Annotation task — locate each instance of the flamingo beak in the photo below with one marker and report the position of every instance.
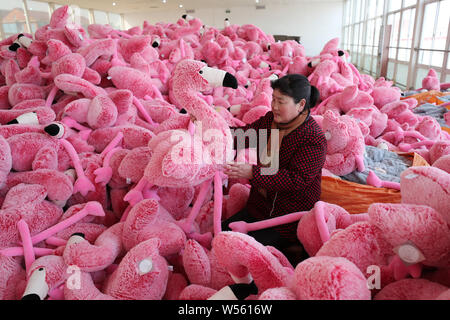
(37, 288)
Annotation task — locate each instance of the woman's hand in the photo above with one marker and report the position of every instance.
(237, 170)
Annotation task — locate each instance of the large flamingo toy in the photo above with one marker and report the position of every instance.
(189, 164)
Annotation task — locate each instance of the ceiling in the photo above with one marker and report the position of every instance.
(130, 6)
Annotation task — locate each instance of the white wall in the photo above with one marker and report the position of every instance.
(315, 21)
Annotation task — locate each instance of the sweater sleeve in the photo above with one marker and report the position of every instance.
(305, 165)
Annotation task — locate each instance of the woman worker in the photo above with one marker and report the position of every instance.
(296, 184)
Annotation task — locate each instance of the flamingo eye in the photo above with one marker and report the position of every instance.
(201, 72)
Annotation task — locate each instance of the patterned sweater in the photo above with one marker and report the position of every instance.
(296, 186)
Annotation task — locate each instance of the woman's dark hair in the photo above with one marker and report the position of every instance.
(297, 87)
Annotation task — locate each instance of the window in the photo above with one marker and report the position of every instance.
(12, 18)
(115, 20)
(432, 50)
(38, 14)
(81, 16)
(413, 49)
(361, 35)
(100, 17)
(394, 5)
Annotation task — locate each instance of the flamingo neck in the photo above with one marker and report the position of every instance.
(190, 100)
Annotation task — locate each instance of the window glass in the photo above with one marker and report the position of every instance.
(12, 18)
(407, 3)
(390, 70)
(394, 5)
(380, 7)
(402, 74)
(100, 17)
(38, 14)
(442, 25)
(115, 20)
(81, 16)
(371, 6)
(426, 41)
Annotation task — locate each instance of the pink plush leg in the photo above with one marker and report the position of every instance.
(373, 180)
(244, 227)
(186, 225)
(28, 251)
(191, 128)
(51, 96)
(218, 200)
(104, 174)
(156, 92)
(320, 221)
(135, 195)
(141, 108)
(408, 147)
(360, 163)
(55, 241)
(285, 69)
(358, 75)
(114, 142)
(414, 134)
(71, 123)
(93, 208)
(83, 184)
(18, 251)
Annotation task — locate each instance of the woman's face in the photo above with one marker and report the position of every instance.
(284, 108)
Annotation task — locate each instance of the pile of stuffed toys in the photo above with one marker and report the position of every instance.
(93, 206)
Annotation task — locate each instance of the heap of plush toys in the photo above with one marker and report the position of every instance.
(94, 206)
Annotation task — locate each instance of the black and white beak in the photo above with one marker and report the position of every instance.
(55, 130)
(26, 118)
(218, 78)
(24, 41)
(14, 46)
(156, 42)
(145, 266)
(341, 53)
(37, 288)
(313, 63)
(273, 77)
(263, 65)
(226, 22)
(187, 17)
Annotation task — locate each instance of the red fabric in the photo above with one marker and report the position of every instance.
(297, 184)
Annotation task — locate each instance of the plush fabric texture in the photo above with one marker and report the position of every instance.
(411, 289)
(246, 255)
(327, 278)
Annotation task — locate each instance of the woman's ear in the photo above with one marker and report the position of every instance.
(301, 105)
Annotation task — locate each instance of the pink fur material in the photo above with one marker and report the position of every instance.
(328, 278)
